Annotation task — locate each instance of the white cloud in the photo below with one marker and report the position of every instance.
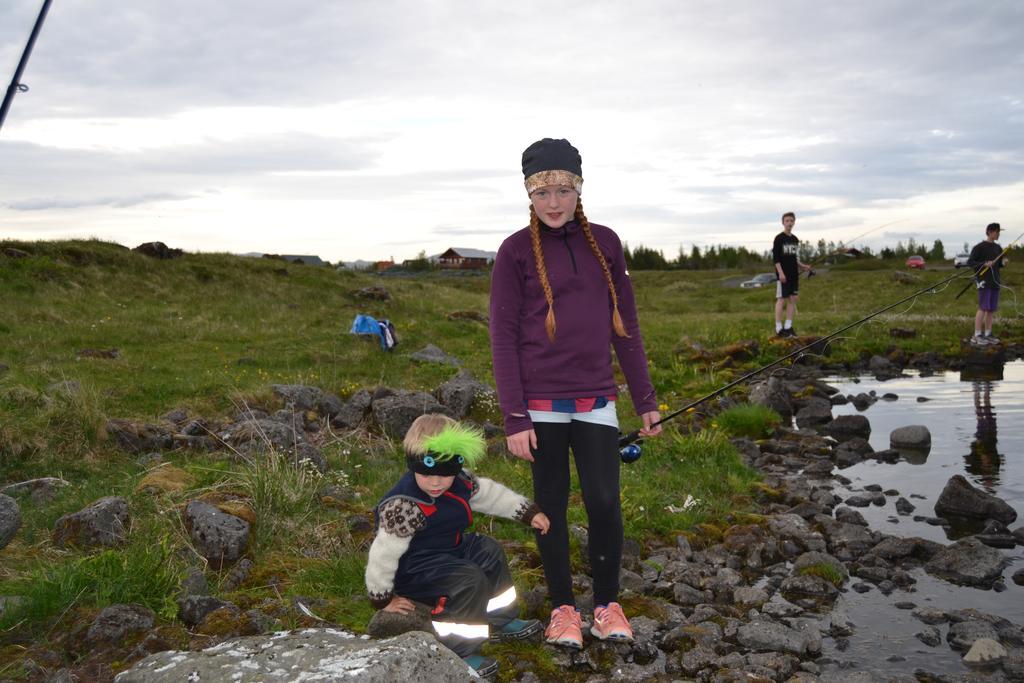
(370, 129)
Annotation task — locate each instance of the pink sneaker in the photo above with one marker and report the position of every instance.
(611, 624)
(565, 628)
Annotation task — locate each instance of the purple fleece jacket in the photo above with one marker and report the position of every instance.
(578, 363)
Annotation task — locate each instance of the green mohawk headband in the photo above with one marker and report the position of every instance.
(448, 450)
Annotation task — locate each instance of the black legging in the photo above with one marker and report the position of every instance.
(595, 450)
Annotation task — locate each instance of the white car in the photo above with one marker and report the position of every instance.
(960, 261)
(759, 280)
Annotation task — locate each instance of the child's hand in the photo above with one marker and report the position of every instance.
(400, 605)
(541, 522)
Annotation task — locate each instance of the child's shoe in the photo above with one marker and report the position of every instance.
(611, 624)
(517, 629)
(483, 666)
(565, 628)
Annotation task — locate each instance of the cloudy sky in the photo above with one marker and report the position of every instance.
(372, 129)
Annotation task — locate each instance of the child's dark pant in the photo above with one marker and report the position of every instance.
(595, 450)
(470, 587)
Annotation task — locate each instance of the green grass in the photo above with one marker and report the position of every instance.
(825, 571)
(144, 573)
(754, 421)
(212, 332)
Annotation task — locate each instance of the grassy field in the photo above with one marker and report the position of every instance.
(210, 333)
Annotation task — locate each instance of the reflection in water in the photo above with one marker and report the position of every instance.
(984, 460)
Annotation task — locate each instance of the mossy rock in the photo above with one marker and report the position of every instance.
(166, 479)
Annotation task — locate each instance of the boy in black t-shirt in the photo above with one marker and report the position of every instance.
(985, 256)
(787, 272)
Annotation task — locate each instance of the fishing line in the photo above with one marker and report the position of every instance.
(630, 451)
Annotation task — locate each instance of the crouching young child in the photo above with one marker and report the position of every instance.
(421, 551)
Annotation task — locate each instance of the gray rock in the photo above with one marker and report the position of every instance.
(846, 541)
(139, 437)
(389, 624)
(194, 583)
(298, 396)
(860, 500)
(432, 354)
(817, 411)
(894, 548)
(750, 595)
(1018, 577)
(963, 635)
(904, 506)
(795, 528)
(850, 516)
(312, 654)
(459, 393)
(116, 622)
(10, 519)
(685, 595)
(219, 537)
(238, 575)
(961, 499)
(930, 636)
(967, 562)
(262, 434)
(930, 615)
(985, 651)
(779, 607)
(192, 609)
(767, 636)
(808, 586)
(42, 490)
(772, 393)
(395, 414)
(911, 436)
(330, 405)
(307, 452)
(353, 410)
(104, 523)
(813, 558)
(846, 427)
(697, 659)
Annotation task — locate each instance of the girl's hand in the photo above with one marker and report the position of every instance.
(400, 605)
(519, 444)
(649, 419)
(541, 523)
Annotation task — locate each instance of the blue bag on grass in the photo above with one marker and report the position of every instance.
(382, 329)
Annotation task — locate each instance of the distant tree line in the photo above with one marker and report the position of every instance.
(725, 256)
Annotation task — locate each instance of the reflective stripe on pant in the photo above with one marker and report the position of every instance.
(475, 583)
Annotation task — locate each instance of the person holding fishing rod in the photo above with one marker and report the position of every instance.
(561, 298)
(987, 260)
(787, 272)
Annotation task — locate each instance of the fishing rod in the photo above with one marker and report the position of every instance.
(842, 245)
(629, 451)
(982, 271)
(16, 86)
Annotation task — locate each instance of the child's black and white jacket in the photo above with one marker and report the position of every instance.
(410, 522)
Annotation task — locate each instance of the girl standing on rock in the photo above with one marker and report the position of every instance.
(560, 299)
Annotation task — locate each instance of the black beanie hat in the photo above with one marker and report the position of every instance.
(552, 162)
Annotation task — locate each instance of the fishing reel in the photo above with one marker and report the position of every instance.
(631, 452)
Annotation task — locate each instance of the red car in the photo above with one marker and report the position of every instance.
(915, 262)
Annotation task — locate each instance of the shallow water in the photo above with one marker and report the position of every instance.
(977, 431)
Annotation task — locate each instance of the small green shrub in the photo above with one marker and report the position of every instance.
(748, 419)
(825, 571)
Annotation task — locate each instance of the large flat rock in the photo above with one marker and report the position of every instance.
(325, 655)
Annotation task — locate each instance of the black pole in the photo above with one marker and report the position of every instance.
(634, 435)
(16, 85)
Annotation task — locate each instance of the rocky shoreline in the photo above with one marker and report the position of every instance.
(755, 602)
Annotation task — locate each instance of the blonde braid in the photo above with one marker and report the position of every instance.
(581, 218)
(542, 271)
